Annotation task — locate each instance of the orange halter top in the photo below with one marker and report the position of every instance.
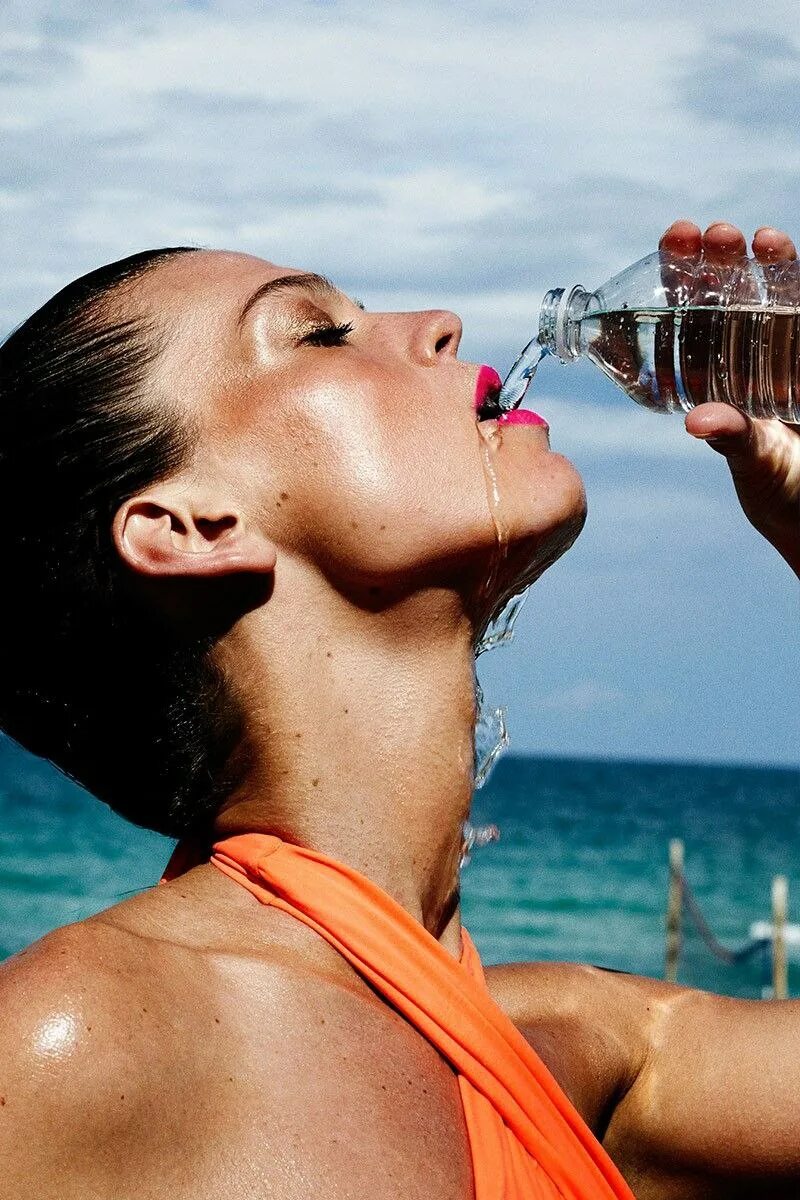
(526, 1140)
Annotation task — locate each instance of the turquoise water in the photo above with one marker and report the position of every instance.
(580, 872)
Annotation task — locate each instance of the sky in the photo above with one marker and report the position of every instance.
(467, 157)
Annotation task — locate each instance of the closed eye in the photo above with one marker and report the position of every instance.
(328, 335)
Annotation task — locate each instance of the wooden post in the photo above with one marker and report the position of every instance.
(674, 905)
(780, 980)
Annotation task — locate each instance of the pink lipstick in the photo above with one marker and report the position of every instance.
(487, 388)
(522, 416)
(487, 383)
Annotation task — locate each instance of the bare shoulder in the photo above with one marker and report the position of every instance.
(113, 1044)
(124, 1061)
(591, 1027)
(689, 1091)
(149, 1053)
(57, 998)
(62, 1060)
(533, 991)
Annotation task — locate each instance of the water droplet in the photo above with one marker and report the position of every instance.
(476, 835)
(501, 630)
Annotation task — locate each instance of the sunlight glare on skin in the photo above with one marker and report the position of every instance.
(57, 1036)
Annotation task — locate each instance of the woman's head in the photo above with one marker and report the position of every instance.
(185, 430)
(84, 681)
(347, 438)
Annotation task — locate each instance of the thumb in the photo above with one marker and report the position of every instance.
(763, 457)
(728, 431)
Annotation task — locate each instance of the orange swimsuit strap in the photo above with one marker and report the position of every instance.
(526, 1140)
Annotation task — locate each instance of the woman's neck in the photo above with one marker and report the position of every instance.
(358, 742)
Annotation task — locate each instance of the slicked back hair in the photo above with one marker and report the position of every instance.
(88, 679)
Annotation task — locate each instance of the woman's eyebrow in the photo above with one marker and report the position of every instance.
(308, 281)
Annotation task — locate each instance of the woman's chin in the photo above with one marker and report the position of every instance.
(542, 507)
(529, 558)
(516, 566)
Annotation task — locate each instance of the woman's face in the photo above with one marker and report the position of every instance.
(350, 436)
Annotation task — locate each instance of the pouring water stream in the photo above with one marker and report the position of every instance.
(518, 379)
(491, 732)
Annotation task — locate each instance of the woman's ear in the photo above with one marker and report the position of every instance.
(194, 558)
(163, 535)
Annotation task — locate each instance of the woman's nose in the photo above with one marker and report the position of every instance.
(436, 335)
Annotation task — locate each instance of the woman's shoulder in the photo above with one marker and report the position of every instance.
(134, 1027)
(590, 1026)
(120, 995)
(72, 1069)
(144, 1037)
(66, 998)
(105, 989)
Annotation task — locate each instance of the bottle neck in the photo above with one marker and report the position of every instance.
(560, 322)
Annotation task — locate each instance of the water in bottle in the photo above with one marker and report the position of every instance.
(675, 332)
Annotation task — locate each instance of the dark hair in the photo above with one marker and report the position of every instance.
(88, 679)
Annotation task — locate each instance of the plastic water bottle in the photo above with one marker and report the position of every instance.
(674, 332)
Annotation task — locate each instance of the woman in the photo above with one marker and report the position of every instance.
(247, 541)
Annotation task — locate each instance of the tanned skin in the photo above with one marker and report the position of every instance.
(190, 1042)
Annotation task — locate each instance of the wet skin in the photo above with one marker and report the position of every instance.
(189, 1042)
(370, 433)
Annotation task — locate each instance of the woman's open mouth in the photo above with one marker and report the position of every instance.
(487, 390)
(487, 408)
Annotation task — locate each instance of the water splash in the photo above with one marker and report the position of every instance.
(518, 379)
(500, 631)
(476, 835)
(491, 736)
(491, 731)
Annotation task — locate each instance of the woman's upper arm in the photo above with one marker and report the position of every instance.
(588, 1026)
(686, 1089)
(716, 1099)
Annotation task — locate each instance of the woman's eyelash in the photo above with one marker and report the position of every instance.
(328, 335)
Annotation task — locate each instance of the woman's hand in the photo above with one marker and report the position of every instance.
(763, 455)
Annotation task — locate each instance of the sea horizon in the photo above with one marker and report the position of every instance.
(579, 872)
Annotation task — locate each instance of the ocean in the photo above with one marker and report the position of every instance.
(579, 873)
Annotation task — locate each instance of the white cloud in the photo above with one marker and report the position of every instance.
(393, 146)
(424, 196)
(423, 156)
